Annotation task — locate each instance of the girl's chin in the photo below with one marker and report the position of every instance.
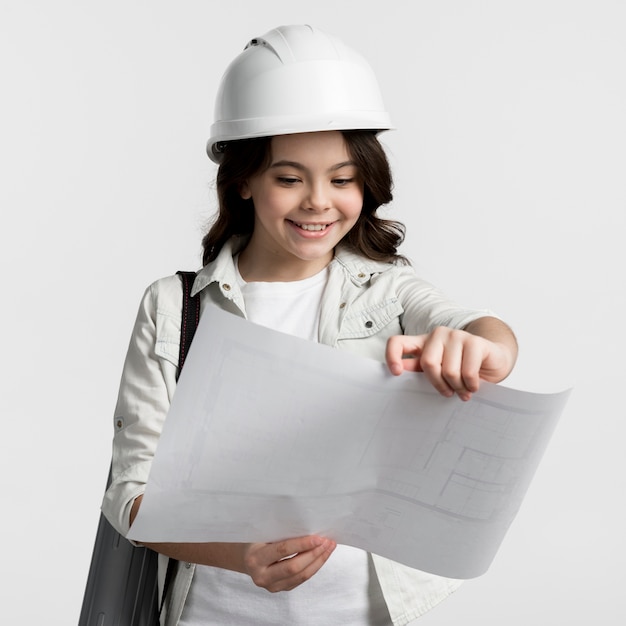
(321, 255)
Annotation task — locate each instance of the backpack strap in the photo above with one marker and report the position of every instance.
(190, 316)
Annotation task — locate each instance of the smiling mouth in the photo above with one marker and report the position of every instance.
(314, 227)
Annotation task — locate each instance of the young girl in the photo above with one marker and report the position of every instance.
(297, 246)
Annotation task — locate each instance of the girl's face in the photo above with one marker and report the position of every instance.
(305, 202)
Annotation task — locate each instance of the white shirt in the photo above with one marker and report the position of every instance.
(290, 307)
(344, 591)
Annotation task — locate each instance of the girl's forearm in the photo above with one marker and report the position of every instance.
(225, 555)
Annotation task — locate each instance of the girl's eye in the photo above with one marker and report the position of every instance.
(287, 180)
(342, 182)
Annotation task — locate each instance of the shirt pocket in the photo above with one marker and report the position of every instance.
(167, 344)
(366, 322)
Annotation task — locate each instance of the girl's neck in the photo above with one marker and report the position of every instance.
(269, 268)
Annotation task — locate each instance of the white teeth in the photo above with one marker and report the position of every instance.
(312, 226)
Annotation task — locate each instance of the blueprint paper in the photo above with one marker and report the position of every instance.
(270, 436)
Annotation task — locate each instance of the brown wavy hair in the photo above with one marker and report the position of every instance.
(371, 236)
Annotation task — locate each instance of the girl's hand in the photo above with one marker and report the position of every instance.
(454, 361)
(287, 564)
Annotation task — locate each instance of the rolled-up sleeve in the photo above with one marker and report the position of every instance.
(426, 307)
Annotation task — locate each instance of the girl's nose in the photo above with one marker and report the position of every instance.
(317, 198)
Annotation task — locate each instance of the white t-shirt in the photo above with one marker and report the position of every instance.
(345, 590)
(292, 307)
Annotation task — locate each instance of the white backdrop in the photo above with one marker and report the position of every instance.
(510, 162)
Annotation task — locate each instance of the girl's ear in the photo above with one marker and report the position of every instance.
(244, 191)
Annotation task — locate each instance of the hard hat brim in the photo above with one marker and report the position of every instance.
(225, 131)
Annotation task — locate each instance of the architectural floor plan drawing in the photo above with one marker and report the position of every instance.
(270, 436)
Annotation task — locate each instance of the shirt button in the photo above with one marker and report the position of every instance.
(361, 275)
(187, 565)
(226, 287)
(342, 305)
(119, 423)
(369, 324)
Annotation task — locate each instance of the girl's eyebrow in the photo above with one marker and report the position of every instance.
(285, 163)
(299, 166)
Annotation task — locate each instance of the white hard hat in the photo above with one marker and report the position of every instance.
(295, 79)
